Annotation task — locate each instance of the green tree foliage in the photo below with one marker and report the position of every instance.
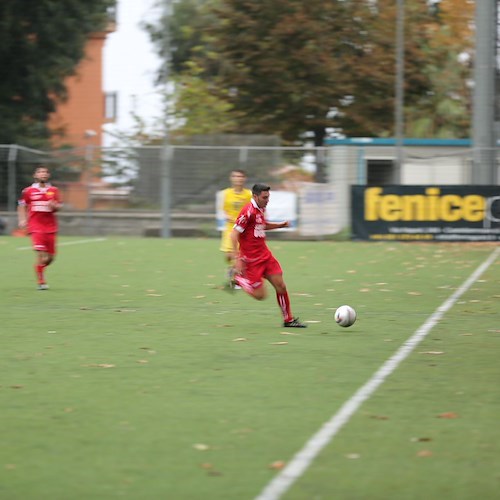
(286, 61)
(41, 43)
(291, 67)
(445, 111)
(196, 104)
(198, 110)
(188, 33)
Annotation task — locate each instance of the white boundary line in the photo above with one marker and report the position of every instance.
(67, 243)
(303, 459)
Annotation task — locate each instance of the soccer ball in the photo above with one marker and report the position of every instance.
(345, 316)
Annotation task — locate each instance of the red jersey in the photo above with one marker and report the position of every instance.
(41, 218)
(251, 224)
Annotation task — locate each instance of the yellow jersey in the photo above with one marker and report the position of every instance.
(233, 202)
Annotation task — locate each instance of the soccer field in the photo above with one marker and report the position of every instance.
(136, 376)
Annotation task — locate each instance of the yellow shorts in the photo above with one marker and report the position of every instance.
(225, 242)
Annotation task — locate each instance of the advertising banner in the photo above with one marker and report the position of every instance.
(426, 213)
(318, 209)
(282, 206)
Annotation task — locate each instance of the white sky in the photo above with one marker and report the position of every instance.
(130, 64)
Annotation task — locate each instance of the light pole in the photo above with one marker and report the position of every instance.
(166, 152)
(484, 168)
(89, 160)
(399, 89)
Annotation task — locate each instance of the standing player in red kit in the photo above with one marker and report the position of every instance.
(36, 212)
(254, 261)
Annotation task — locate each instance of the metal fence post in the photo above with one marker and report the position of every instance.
(11, 178)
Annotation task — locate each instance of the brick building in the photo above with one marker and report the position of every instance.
(82, 116)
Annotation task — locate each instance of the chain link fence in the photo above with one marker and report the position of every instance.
(145, 180)
(97, 179)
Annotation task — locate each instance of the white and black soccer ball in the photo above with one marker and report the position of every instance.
(345, 316)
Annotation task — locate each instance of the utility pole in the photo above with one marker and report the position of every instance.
(399, 89)
(484, 167)
(166, 152)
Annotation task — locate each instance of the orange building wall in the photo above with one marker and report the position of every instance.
(83, 111)
(84, 108)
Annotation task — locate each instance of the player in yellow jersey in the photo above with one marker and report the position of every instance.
(234, 198)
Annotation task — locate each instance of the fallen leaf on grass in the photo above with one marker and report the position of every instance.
(432, 352)
(353, 456)
(201, 446)
(277, 465)
(379, 417)
(240, 339)
(420, 440)
(414, 293)
(199, 297)
(142, 361)
(279, 343)
(210, 469)
(448, 414)
(214, 473)
(424, 453)
(100, 365)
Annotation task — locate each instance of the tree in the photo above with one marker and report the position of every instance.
(370, 109)
(285, 61)
(291, 67)
(189, 39)
(41, 43)
(198, 110)
(445, 111)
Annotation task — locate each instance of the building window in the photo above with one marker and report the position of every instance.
(111, 106)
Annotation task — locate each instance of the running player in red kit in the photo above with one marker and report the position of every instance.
(254, 261)
(36, 212)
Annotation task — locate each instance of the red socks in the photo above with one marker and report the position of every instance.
(284, 303)
(39, 268)
(244, 283)
(282, 298)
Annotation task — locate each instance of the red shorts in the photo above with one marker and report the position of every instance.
(44, 242)
(255, 272)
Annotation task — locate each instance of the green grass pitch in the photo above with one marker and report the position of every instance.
(135, 376)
